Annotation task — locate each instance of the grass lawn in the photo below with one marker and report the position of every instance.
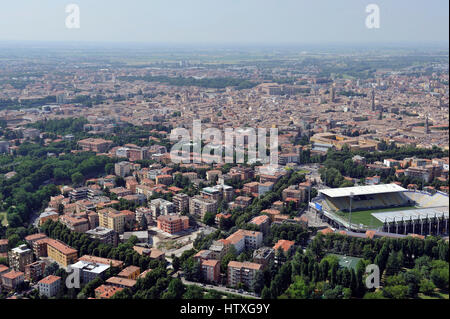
(365, 216)
(3, 219)
(435, 295)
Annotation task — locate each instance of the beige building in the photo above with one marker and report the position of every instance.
(112, 219)
(242, 272)
(199, 206)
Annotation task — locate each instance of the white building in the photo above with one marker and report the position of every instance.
(89, 271)
(49, 286)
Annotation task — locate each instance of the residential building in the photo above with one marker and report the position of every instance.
(263, 223)
(112, 219)
(19, 257)
(122, 168)
(161, 206)
(98, 145)
(242, 272)
(99, 260)
(181, 202)
(49, 286)
(199, 206)
(210, 270)
(104, 235)
(263, 256)
(61, 253)
(121, 282)
(89, 271)
(75, 223)
(106, 291)
(12, 279)
(79, 193)
(35, 271)
(172, 223)
(130, 272)
(245, 239)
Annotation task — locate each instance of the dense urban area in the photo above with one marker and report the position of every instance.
(88, 186)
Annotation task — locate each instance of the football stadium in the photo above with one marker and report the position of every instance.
(386, 208)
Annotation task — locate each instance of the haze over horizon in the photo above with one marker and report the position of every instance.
(230, 22)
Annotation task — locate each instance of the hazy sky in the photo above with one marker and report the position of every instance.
(226, 21)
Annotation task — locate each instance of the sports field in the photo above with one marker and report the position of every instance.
(347, 261)
(365, 216)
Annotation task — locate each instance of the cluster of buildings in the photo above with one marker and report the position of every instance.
(241, 272)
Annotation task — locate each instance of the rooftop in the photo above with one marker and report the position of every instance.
(362, 190)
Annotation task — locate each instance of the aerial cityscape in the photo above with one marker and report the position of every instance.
(96, 202)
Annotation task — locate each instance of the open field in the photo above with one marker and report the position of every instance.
(365, 216)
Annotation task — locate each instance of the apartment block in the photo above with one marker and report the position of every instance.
(245, 239)
(210, 270)
(35, 271)
(122, 168)
(172, 223)
(89, 271)
(199, 206)
(61, 253)
(98, 145)
(181, 202)
(19, 257)
(161, 206)
(242, 272)
(104, 235)
(112, 219)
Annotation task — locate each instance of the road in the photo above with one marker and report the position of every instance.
(219, 288)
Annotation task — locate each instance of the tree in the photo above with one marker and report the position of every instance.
(258, 282)
(300, 289)
(123, 294)
(193, 292)
(175, 290)
(51, 269)
(396, 292)
(143, 224)
(77, 178)
(119, 181)
(440, 277)
(265, 293)
(230, 255)
(176, 263)
(209, 219)
(109, 168)
(426, 287)
(412, 279)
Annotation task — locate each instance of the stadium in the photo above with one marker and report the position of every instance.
(386, 208)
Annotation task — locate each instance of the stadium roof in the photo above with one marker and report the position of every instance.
(412, 214)
(362, 190)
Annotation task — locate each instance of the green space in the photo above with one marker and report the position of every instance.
(365, 216)
(434, 295)
(347, 261)
(3, 220)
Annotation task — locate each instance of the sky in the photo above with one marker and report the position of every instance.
(226, 21)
